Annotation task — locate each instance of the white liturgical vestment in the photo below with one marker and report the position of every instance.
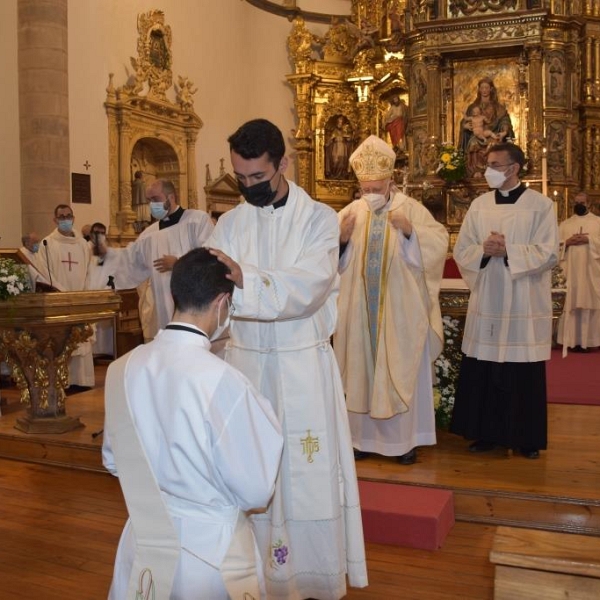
(311, 537)
(68, 258)
(134, 264)
(386, 344)
(213, 445)
(509, 318)
(579, 324)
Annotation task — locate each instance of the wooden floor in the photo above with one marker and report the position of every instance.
(60, 525)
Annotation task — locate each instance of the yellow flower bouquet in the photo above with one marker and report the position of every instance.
(452, 165)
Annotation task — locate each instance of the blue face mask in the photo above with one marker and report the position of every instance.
(35, 248)
(65, 226)
(158, 210)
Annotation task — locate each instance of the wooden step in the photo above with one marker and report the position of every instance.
(543, 564)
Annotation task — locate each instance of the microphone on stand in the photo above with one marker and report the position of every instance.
(45, 242)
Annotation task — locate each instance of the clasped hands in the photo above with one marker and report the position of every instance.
(495, 245)
(577, 239)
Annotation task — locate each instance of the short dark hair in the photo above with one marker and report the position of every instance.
(98, 225)
(256, 137)
(514, 152)
(59, 206)
(197, 279)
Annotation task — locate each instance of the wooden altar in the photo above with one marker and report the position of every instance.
(38, 334)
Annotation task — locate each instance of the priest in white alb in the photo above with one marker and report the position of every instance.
(67, 256)
(389, 325)
(175, 231)
(282, 249)
(505, 250)
(195, 446)
(579, 325)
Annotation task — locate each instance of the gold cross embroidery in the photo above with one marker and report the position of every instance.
(310, 445)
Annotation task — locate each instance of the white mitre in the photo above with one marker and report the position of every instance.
(373, 160)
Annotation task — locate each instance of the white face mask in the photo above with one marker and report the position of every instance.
(495, 179)
(375, 201)
(158, 210)
(221, 327)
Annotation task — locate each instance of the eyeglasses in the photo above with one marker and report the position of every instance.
(496, 166)
(64, 217)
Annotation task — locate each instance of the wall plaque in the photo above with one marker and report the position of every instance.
(81, 189)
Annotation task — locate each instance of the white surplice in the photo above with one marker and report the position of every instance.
(579, 325)
(134, 264)
(68, 258)
(98, 278)
(390, 397)
(213, 444)
(286, 312)
(509, 318)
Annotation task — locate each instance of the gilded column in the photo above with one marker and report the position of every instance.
(125, 216)
(536, 139)
(43, 110)
(192, 193)
(434, 96)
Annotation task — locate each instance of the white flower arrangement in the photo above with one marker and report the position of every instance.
(14, 279)
(447, 366)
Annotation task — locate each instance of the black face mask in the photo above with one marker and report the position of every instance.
(580, 209)
(259, 194)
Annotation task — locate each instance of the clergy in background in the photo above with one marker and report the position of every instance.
(505, 250)
(194, 446)
(100, 279)
(67, 255)
(579, 325)
(282, 249)
(38, 270)
(389, 326)
(152, 256)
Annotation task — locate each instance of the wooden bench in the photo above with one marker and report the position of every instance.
(534, 564)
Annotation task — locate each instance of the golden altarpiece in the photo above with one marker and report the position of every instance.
(148, 132)
(427, 57)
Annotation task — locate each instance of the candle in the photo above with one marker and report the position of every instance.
(544, 173)
(555, 203)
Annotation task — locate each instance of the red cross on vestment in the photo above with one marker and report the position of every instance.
(70, 262)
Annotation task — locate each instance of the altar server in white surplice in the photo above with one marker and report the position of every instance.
(282, 248)
(390, 327)
(153, 254)
(67, 256)
(100, 279)
(579, 325)
(505, 250)
(194, 446)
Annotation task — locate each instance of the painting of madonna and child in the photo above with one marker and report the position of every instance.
(486, 110)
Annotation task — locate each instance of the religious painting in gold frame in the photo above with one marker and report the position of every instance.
(505, 74)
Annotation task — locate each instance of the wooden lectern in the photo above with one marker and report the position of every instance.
(38, 334)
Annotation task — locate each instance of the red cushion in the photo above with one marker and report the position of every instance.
(402, 515)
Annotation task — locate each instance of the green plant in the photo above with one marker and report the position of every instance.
(447, 366)
(452, 165)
